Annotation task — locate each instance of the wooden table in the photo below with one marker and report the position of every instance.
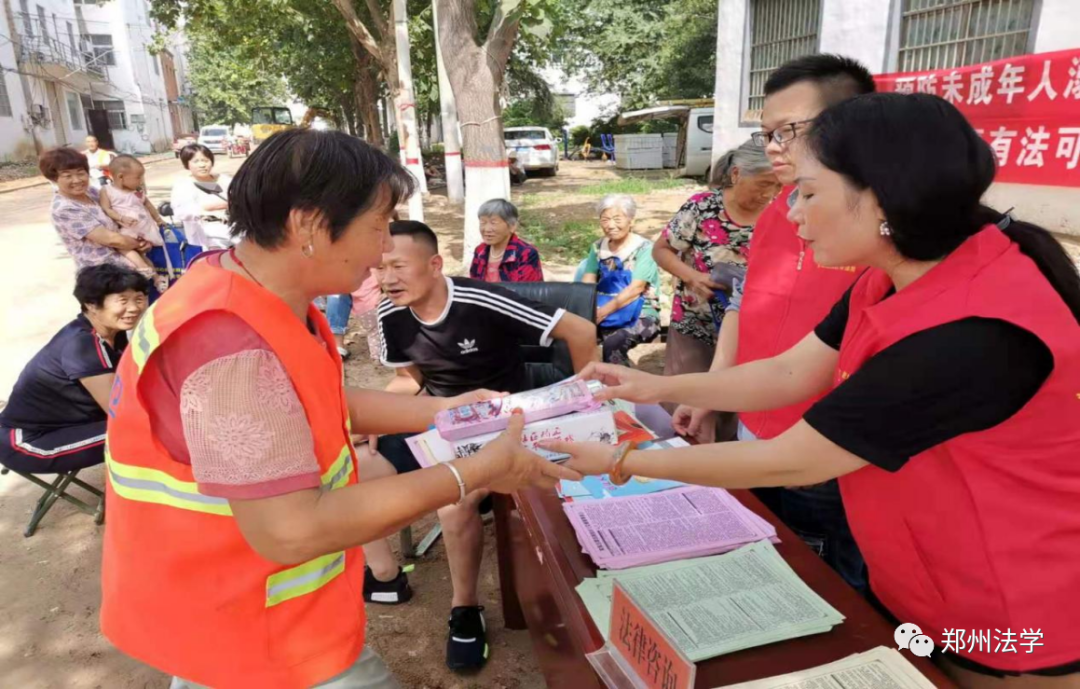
(541, 562)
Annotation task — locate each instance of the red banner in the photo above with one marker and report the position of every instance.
(1026, 107)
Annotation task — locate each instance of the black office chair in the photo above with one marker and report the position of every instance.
(547, 365)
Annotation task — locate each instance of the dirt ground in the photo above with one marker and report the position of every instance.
(49, 584)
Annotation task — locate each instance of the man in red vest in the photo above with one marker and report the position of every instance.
(786, 294)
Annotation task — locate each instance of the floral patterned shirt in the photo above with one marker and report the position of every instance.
(520, 263)
(220, 400)
(74, 220)
(704, 236)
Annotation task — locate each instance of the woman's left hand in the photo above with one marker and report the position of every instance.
(591, 459)
(471, 398)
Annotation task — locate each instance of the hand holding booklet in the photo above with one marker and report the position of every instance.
(564, 411)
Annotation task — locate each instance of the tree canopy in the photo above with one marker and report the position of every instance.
(642, 50)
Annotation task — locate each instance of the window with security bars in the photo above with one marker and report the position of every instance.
(940, 34)
(101, 50)
(115, 111)
(5, 100)
(780, 30)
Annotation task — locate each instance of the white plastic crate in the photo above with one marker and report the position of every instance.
(639, 151)
(671, 149)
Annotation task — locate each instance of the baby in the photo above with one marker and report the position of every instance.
(125, 202)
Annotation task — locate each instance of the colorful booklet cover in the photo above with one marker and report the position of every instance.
(597, 425)
(492, 416)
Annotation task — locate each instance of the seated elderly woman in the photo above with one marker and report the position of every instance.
(90, 236)
(628, 281)
(200, 200)
(54, 421)
(503, 256)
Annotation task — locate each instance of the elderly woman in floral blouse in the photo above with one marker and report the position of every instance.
(90, 236)
(503, 256)
(710, 236)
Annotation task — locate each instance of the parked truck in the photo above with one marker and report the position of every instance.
(695, 120)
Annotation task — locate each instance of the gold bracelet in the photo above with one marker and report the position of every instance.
(621, 452)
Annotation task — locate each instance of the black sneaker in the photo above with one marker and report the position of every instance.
(466, 647)
(393, 592)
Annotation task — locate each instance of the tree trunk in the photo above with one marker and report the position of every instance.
(476, 75)
(366, 92)
(455, 182)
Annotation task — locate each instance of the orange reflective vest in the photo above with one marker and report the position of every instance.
(181, 589)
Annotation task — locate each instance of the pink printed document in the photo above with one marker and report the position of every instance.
(671, 525)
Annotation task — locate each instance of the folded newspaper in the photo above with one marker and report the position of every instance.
(878, 668)
(717, 605)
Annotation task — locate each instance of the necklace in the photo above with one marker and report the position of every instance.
(237, 261)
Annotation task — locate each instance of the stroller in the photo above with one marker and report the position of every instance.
(172, 259)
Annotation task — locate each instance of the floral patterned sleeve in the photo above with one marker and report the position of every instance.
(74, 221)
(245, 428)
(680, 230)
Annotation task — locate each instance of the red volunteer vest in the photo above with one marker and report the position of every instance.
(787, 294)
(182, 590)
(980, 533)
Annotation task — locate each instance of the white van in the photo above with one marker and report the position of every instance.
(695, 134)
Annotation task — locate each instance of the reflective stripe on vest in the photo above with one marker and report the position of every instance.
(338, 473)
(151, 485)
(144, 339)
(303, 579)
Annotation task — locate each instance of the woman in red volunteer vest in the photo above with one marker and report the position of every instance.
(232, 552)
(952, 417)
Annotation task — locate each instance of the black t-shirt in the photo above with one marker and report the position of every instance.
(475, 343)
(932, 386)
(48, 394)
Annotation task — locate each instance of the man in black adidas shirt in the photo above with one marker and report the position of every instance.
(447, 336)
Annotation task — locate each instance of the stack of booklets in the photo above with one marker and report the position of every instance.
(564, 411)
(717, 605)
(676, 524)
(878, 668)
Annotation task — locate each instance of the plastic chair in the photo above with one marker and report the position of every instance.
(607, 145)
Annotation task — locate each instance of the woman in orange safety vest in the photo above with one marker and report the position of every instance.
(232, 552)
(952, 413)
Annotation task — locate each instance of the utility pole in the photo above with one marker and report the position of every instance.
(410, 139)
(455, 183)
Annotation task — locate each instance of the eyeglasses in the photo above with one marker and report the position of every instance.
(780, 135)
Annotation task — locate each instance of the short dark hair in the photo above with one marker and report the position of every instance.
(338, 175)
(94, 283)
(418, 231)
(837, 77)
(57, 160)
(191, 150)
(123, 163)
(928, 169)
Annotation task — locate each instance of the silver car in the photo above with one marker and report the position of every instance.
(536, 149)
(215, 137)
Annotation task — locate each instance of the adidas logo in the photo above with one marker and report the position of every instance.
(468, 346)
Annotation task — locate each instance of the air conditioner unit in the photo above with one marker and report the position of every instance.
(136, 118)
